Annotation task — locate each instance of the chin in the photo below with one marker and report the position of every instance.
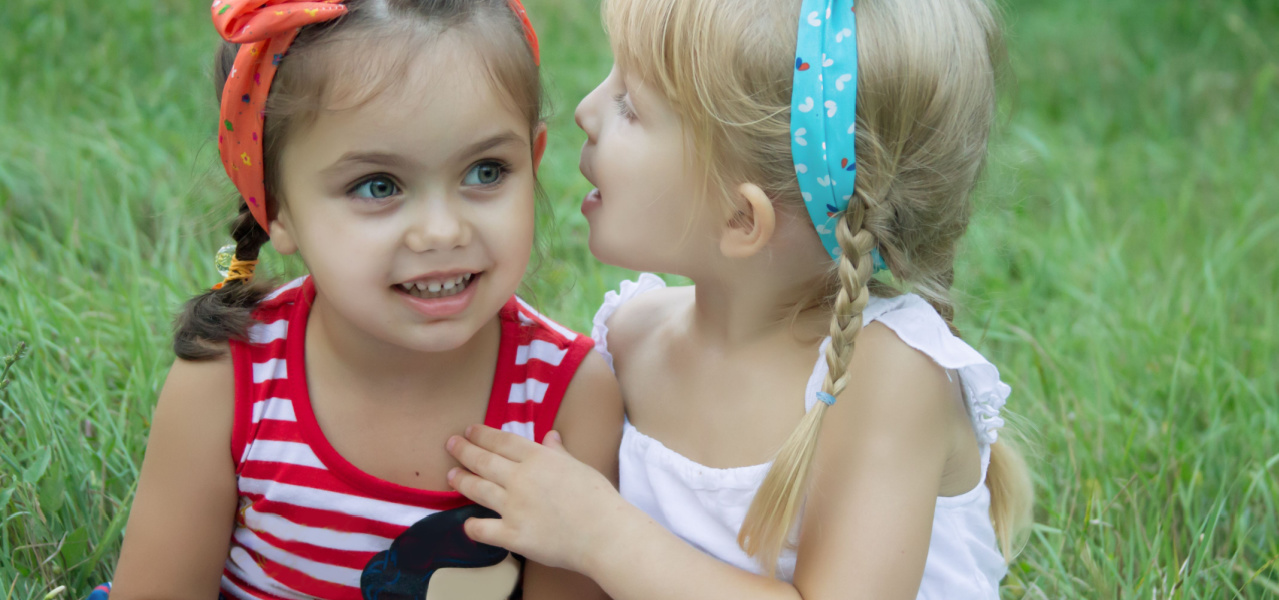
(443, 338)
(616, 255)
(601, 250)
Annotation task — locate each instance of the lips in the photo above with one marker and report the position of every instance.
(591, 202)
(440, 295)
(438, 287)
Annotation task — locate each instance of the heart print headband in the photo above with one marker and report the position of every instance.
(824, 114)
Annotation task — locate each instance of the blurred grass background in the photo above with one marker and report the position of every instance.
(1121, 271)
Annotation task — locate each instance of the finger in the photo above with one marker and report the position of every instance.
(479, 490)
(507, 444)
(487, 531)
(486, 464)
(554, 441)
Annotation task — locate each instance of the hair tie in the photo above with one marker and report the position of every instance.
(880, 265)
(824, 113)
(265, 29)
(239, 270)
(826, 398)
(232, 268)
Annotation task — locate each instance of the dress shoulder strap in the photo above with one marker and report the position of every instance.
(266, 384)
(536, 364)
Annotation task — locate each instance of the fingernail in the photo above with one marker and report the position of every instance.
(452, 472)
(556, 435)
(469, 430)
(452, 442)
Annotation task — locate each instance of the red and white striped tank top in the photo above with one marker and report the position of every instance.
(312, 525)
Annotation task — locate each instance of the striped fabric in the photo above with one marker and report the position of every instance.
(309, 521)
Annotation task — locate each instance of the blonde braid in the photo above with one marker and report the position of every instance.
(776, 505)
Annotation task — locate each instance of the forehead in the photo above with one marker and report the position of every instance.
(439, 99)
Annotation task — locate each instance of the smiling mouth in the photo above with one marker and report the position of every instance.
(438, 287)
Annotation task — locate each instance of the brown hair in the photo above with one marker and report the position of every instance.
(322, 71)
(925, 106)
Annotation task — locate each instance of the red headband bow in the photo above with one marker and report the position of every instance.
(265, 29)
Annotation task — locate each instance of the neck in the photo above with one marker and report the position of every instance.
(756, 305)
(338, 347)
(771, 294)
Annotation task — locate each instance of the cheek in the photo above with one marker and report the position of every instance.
(509, 227)
(353, 249)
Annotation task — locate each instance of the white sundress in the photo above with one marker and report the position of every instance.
(706, 506)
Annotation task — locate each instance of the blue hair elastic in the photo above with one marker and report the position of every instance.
(880, 265)
(824, 114)
(826, 398)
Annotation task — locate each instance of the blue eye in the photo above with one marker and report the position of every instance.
(488, 172)
(376, 188)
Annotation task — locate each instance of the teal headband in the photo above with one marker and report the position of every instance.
(824, 114)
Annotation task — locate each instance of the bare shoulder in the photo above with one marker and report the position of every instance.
(635, 320)
(197, 395)
(195, 382)
(590, 416)
(898, 402)
(890, 378)
(198, 399)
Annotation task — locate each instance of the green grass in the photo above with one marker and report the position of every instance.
(1120, 271)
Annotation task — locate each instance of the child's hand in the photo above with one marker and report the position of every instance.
(555, 509)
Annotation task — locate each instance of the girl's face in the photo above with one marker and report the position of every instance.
(646, 212)
(414, 211)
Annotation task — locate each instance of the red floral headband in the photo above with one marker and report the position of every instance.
(265, 29)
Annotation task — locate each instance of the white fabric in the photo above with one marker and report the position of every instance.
(706, 506)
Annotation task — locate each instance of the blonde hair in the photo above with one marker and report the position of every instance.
(925, 106)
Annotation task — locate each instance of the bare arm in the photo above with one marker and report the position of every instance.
(866, 525)
(590, 418)
(181, 520)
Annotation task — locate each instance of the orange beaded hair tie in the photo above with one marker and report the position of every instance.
(232, 268)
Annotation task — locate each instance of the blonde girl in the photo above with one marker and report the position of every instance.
(797, 426)
(297, 449)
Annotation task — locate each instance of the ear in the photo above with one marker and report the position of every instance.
(539, 144)
(750, 230)
(282, 231)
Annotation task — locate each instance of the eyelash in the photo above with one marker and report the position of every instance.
(503, 170)
(623, 108)
(365, 180)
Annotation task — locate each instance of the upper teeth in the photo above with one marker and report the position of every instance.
(435, 285)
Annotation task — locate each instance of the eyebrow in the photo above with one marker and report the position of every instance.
(391, 159)
(496, 141)
(388, 159)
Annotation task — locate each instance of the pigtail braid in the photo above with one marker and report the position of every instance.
(209, 320)
(942, 302)
(776, 506)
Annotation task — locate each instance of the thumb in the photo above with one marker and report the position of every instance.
(554, 441)
(486, 531)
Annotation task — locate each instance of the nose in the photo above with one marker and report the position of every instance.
(586, 117)
(438, 223)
